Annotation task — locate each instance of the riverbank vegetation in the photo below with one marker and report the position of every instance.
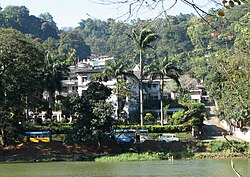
(151, 156)
(199, 150)
(147, 156)
(113, 152)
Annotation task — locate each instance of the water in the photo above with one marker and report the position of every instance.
(176, 168)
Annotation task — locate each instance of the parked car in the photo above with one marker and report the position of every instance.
(129, 136)
(168, 138)
(125, 139)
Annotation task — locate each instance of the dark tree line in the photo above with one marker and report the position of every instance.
(18, 17)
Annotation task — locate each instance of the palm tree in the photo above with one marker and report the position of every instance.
(161, 68)
(54, 72)
(142, 40)
(118, 69)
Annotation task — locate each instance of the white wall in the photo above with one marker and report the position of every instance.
(196, 97)
(237, 131)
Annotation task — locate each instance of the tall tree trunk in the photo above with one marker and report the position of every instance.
(50, 99)
(26, 110)
(3, 133)
(141, 89)
(161, 97)
(2, 141)
(141, 103)
(3, 114)
(118, 101)
(99, 141)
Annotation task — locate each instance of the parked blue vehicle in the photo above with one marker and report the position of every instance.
(130, 136)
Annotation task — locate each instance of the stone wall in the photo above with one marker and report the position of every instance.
(243, 134)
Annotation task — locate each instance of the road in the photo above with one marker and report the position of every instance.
(212, 129)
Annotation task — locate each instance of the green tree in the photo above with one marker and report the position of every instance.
(18, 17)
(54, 72)
(21, 75)
(93, 114)
(97, 91)
(228, 79)
(242, 29)
(198, 34)
(142, 40)
(48, 26)
(102, 120)
(73, 40)
(118, 69)
(161, 68)
(228, 84)
(173, 35)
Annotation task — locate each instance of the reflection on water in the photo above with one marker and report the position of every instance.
(176, 168)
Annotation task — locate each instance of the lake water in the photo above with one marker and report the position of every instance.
(176, 168)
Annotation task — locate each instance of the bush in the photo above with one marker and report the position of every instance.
(134, 157)
(178, 117)
(150, 118)
(194, 121)
(196, 107)
(38, 121)
(64, 120)
(225, 146)
(134, 117)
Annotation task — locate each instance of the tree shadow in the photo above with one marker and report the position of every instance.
(211, 132)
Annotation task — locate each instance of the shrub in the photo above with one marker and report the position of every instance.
(150, 118)
(178, 117)
(225, 146)
(134, 117)
(38, 121)
(134, 157)
(196, 107)
(194, 121)
(64, 120)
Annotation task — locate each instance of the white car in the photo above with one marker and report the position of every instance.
(168, 138)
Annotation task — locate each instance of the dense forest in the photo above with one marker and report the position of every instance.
(211, 49)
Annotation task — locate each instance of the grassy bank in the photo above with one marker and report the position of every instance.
(147, 156)
(179, 150)
(127, 157)
(113, 152)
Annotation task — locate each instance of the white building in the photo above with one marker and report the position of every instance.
(199, 94)
(81, 74)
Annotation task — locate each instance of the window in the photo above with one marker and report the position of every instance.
(84, 78)
(155, 97)
(154, 86)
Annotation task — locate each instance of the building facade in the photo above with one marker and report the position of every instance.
(82, 73)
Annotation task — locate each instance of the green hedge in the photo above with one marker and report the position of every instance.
(64, 128)
(55, 128)
(158, 128)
